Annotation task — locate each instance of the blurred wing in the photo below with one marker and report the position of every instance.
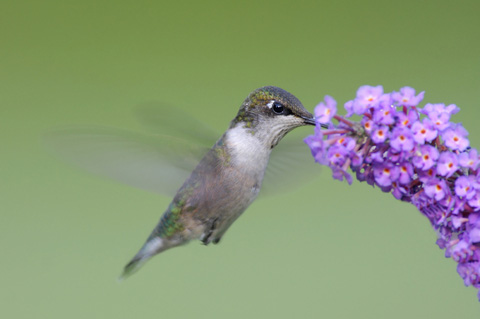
(167, 120)
(291, 165)
(156, 163)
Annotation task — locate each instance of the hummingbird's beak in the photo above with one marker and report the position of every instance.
(311, 121)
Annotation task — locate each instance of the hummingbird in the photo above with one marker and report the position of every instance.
(229, 177)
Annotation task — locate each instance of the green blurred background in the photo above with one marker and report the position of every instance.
(325, 250)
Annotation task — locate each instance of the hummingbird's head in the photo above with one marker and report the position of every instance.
(271, 112)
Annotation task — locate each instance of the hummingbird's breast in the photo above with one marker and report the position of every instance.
(223, 185)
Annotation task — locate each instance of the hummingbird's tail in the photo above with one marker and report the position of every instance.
(153, 246)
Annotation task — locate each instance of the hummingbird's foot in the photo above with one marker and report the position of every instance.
(206, 237)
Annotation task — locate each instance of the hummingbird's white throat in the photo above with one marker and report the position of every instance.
(247, 150)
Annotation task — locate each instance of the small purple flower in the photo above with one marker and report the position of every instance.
(380, 134)
(423, 131)
(436, 188)
(425, 157)
(405, 120)
(440, 120)
(397, 191)
(384, 115)
(385, 100)
(347, 142)
(402, 139)
(440, 108)
(324, 112)
(470, 272)
(357, 160)
(368, 125)
(475, 201)
(464, 187)
(455, 138)
(469, 159)
(349, 108)
(447, 164)
(405, 173)
(462, 252)
(339, 174)
(406, 96)
(474, 228)
(376, 157)
(367, 96)
(337, 155)
(474, 235)
(452, 109)
(425, 175)
(385, 174)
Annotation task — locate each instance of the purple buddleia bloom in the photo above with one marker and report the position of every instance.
(425, 157)
(447, 164)
(418, 155)
(380, 134)
(464, 187)
(324, 112)
(384, 115)
(402, 139)
(456, 138)
(440, 120)
(469, 159)
(367, 97)
(406, 96)
(424, 131)
(436, 188)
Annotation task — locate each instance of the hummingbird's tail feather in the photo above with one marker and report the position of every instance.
(152, 247)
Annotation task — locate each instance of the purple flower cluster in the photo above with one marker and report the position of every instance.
(415, 153)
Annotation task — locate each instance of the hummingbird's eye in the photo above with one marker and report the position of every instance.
(277, 107)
